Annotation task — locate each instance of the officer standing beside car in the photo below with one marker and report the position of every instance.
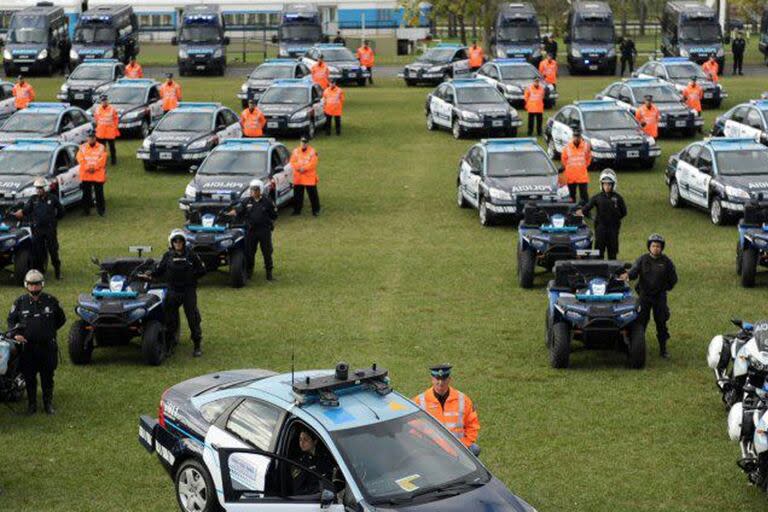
(43, 211)
(648, 116)
(304, 164)
(333, 105)
(611, 208)
(367, 59)
(259, 213)
(133, 69)
(23, 93)
(576, 157)
(692, 95)
(92, 158)
(170, 93)
(34, 319)
(320, 73)
(534, 105)
(738, 46)
(107, 121)
(476, 56)
(252, 120)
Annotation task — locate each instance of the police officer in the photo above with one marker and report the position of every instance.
(43, 210)
(576, 159)
(259, 213)
(304, 483)
(550, 46)
(656, 276)
(738, 45)
(611, 208)
(628, 53)
(107, 126)
(339, 39)
(180, 268)
(34, 318)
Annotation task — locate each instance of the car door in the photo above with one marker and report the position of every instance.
(469, 185)
(460, 64)
(7, 102)
(66, 173)
(233, 129)
(686, 172)
(439, 108)
(74, 127)
(317, 105)
(734, 122)
(281, 173)
(701, 179)
(488, 73)
(561, 129)
(155, 104)
(624, 98)
(476, 172)
(754, 125)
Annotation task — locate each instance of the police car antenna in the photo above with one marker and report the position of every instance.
(293, 360)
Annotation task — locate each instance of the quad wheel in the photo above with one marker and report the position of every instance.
(526, 261)
(22, 262)
(748, 267)
(80, 343)
(560, 349)
(636, 349)
(237, 271)
(153, 346)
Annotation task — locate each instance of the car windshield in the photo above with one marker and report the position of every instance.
(660, 93)
(705, 31)
(95, 34)
(594, 33)
(518, 72)
(272, 72)
(200, 34)
(685, 70)
(248, 163)
(437, 55)
(300, 33)
(86, 72)
(394, 461)
(24, 162)
(28, 35)
(31, 123)
(609, 120)
(127, 95)
(743, 162)
(185, 122)
(522, 33)
(337, 54)
(469, 95)
(292, 95)
(519, 163)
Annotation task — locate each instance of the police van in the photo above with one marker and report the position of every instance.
(512, 77)
(749, 120)
(89, 80)
(516, 33)
(300, 28)
(7, 101)
(58, 121)
(266, 74)
(678, 71)
(37, 40)
(691, 29)
(105, 32)
(590, 38)
(201, 40)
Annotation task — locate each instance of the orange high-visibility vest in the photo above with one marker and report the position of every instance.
(304, 165)
(692, 96)
(534, 99)
(321, 74)
(333, 101)
(24, 95)
(93, 163)
(711, 68)
(576, 162)
(649, 119)
(171, 95)
(548, 70)
(476, 57)
(365, 56)
(252, 123)
(106, 122)
(134, 71)
(457, 415)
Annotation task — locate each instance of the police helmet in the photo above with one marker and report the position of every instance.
(40, 182)
(608, 176)
(34, 277)
(655, 237)
(256, 184)
(175, 234)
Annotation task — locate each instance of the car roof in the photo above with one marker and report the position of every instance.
(99, 62)
(136, 82)
(760, 104)
(734, 144)
(49, 145)
(328, 46)
(463, 83)
(279, 62)
(456, 46)
(46, 108)
(521, 63)
(251, 144)
(190, 106)
(510, 145)
(596, 105)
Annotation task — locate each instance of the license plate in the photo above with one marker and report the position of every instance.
(633, 154)
(199, 67)
(593, 67)
(272, 125)
(80, 96)
(166, 156)
(498, 123)
(352, 75)
(221, 197)
(680, 124)
(25, 68)
(707, 94)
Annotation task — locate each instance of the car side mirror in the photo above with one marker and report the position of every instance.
(327, 498)
(61, 169)
(274, 39)
(475, 450)
(193, 169)
(226, 41)
(175, 41)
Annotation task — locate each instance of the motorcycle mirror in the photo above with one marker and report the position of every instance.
(737, 322)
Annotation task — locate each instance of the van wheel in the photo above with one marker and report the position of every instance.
(636, 351)
(560, 351)
(153, 343)
(195, 491)
(748, 267)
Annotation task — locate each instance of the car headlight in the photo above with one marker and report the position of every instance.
(217, 54)
(581, 244)
(497, 193)
(244, 88)
(501, 53)
(7, 54)
(469, 116)
(299, 116)
(573, 315)
(538, 243)
(183, 53)
(109, 54)
(575, 52)
(64, 88)
(611, 52)
(512, 89)
(73, 54)
(736, 193)
(200, 144)
(43, 54)
(720, 52)
(650, 140)
(190, 191)
(133, 115)
(599, 144)
(147, 143)
(333, 69)
(684, 52)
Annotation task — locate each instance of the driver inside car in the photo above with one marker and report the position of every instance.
(315, 458)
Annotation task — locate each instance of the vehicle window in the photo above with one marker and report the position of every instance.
(285, 155)
(92, 72)
(337, 54)
(436, 55)
(254, 422)
(301, 71)
(33, 163)
(470, 95)
(573, 117)
(686, 70)
(31, 123)
(625, 94)
(78, 118)
(562, 116)
(474, 159)
(126, 95)
(690, 154)
(518, 163)
(442, 91)
(742, 162)
(705, 160)
(154, 94)
(609, 120)
(661, 94)
(185, 122)
(613, 91)
(212, 410)
(739, 113)
(229, 117)
(66, 122)
(491, 72)
(62, 161)
(238, 163)
(519, 73)
(287, 95)
(298, 440)
(754, 119)
(460, 55)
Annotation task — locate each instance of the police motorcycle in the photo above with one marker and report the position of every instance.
(550, 231)
(12, 385)
(721, 358)
(747, 424)
(752, 248)
(750, 361)
(122, 305)
(218, 239)
(16, 245)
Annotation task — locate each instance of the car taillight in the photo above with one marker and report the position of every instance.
(161, 409)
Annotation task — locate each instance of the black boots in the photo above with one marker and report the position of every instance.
(663, 349)
(57, 272)
(32, 408)
(198, 351)
(48, 407)
(270, 277)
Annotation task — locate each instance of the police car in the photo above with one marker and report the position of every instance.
(266, 74)
(138, 104)
(185, 135)
(293, 106)
(21, 163)
(718, 174)
(59, 121)
(675, 116)
(438, 64)
(342, 64)
(230, 441)
(470, 105)
(512, 77)
(745, 120)
(7, 101)
(499, 176)
(614, 135)
(678, 71)
(89, 80)
(228, 169)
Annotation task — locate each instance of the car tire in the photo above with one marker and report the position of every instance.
(486, 217)
(361, 82)
(526, 263)
(748, 267)
(144, 129)
(560, 350)
(552, 150)
(458, 133)
(80, 343)
(149, 166)
(431, 126)
(195, 491)
(716, 213)
(675, 201)
(237, 269)
(547, 329)
(460, 200)
(410, 83)
(691, 132)
(739, 253)
(153, 346)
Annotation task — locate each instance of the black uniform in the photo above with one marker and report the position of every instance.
(550, 47)
(43, 213)
(628, 52)
(656, 277)
(738, 45)
(611, 208)
(305, 483)
(259, 217)
(181, 271)
(38, 320)
(339, 40)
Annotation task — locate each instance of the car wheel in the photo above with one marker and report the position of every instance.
(547, 329)
(716, 212)
(410, 83)
(560, 350)
(748, 267)
(552, 150)
(486, 216)
(22, 262)
(80, 343)
(648, 163)
(739, 252)
(674, 195)
(526, 262)
(195, 490)
(460, 197)
(311, 129)
(431, 126)
(148, 166)
(458, 133)
(237, 270)
(153, 343)
(361, 82)
(636, 349)
(144, 129)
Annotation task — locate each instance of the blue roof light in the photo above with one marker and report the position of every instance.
(734, 143)
(100, 61)
(192, 104)
(44, 105)
(449, 45)
(596, 104)
(36, 142)
(674, 60)
(136, 81)
(280, 61)
(510, 61)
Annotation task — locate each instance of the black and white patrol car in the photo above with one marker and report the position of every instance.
(439, 63)
(512, 77)
(7, 101)
(342, 64)
(678, 71)
(675, 115)
(229, 168)
(748, 120)
(499, 176)
(59, 121)
(266, 74)
(718, 174)
(138, 104)
(293, 106)
(614, 135)
(185, 135)
(470, 105)
(88, 80)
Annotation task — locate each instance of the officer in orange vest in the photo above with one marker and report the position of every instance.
(692, 95)
(711, 68)
(304, 164)
(170, 92)
(252, 121)
(320, 73)
(333, 104)
(107, 120)
(92, 158)
(576, 157)
(450, 407)
(648, 116)
(548, 69)
(534, 105)
(133, 69)
(367, 58)
(476, 57)
(23, 92)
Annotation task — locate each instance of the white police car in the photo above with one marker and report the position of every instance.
(138, 105)
(437, 64)
(21, 163)
(512, 77)
(58, 121)
(745, 120)
(499, 176)
(678, 71)
(675, 116)
(88, 80)
(293, 106)
(614, 135)
(470, 105)
(7, 101)
(718, 174)
(230, 440)
(185, 135)
(228, 169)
(266, 74)
(342, 64)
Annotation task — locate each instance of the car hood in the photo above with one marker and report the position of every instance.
(755, 183)
(261, 83)
(25, 49)
(221, 183)
(15, 184)
(122, 108)
(485, 108)
(518, 49)
(86, 84)
(520, 84)
(704, 84)
(671, 108)
(524, 185)
(175, 137)
(344, 64)
(91, 51)
(9, 137)
(279, 109)
(616, 136)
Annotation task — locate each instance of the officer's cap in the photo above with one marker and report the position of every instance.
(169, 75)
(40, 182)
(649, 96)
(103, 97)
(577, 131)
(91, 133)
(304, 138)
(441, 371)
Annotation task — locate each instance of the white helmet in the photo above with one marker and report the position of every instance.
(40, 182)
(176, 233)
(34, 277)
(257, 183)
(608, 176)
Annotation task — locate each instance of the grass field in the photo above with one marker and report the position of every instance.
(394, 272)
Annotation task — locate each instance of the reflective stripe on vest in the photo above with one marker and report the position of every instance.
(423, 401)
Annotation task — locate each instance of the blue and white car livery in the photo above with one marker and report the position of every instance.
(293, 106)
(89, 80)
(138, 104)
(437, 64)
(512, 77)
(266, 74)
(7, 101)
(342, 64)
(747, 120)
(678, 71)
(57, 121)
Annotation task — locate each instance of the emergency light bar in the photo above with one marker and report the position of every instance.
(329, 45)
(193, 104)
(326, 389)
(48, 105)
(672, 60)
(256, 140)
(449, 45)
(288, 81)
(510, 61)
(101, 61)
(280, 61)
(46, 142)
(762, 103)
(506, 141)
(136, 81)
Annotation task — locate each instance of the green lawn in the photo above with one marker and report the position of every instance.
(395, 272)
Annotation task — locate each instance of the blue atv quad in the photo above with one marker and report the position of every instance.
(549, 232)
(121, 306)
(752, 249)
(216, 238)
(16, 247)
(589, 302)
